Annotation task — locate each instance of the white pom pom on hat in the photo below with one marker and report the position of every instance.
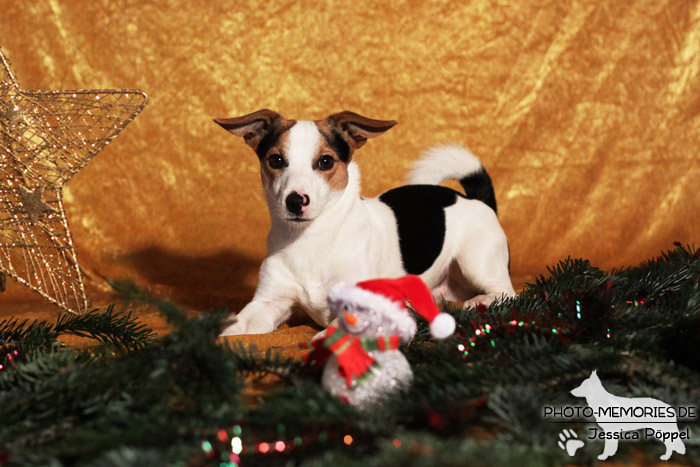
(442, 326)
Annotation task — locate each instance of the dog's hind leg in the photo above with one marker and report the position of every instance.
(486, 271)
(478, 244)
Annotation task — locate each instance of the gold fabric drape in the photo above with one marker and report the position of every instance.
(585, 113)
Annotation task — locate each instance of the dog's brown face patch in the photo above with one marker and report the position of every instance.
(273, 159)
(337, 175)
(335, 140)
(335, 146)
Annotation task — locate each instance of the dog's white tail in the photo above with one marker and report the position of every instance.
(451, 161)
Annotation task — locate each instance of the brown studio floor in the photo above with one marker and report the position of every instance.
(286, 339)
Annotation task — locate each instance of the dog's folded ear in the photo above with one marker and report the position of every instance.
(252, 127)
(358, 128)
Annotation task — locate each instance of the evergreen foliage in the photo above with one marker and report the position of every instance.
(477, 397)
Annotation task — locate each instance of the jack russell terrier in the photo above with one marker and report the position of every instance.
(323, 232)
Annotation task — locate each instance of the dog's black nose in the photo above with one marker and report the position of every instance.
(295, 201)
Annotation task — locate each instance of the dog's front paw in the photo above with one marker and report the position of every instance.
(247, 326)
(259, 327)
(235, 326)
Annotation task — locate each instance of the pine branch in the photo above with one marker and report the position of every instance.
(250, 362)
(39, 367)
(35, 335)
(121, 330)
(476, 397)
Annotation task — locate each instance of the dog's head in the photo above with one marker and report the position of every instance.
(588, 386)
(304, 164)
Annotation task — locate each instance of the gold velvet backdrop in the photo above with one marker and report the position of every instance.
(586, 114)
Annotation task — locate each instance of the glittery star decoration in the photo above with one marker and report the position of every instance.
(46, 137)
(34, 204)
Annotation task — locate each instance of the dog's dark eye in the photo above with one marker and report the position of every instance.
(326, 162)
(275, 161)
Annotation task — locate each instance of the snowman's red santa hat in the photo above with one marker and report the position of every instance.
(390, 296)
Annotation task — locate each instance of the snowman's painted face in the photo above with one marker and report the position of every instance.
(355, 320)
(363, 321)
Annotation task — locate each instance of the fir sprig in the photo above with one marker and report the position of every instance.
(116, 328)
(476, 397)
(123, 331)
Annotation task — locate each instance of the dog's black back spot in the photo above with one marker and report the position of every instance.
(420, 218)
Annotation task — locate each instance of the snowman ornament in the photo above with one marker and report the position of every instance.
(362, 359)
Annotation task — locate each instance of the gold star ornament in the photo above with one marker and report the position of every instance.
(46, 137)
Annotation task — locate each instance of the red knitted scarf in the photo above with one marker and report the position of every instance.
(351, 352)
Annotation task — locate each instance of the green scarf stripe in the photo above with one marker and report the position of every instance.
(370, 344)
(367, 343)
(333, 338)
(373, 343)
